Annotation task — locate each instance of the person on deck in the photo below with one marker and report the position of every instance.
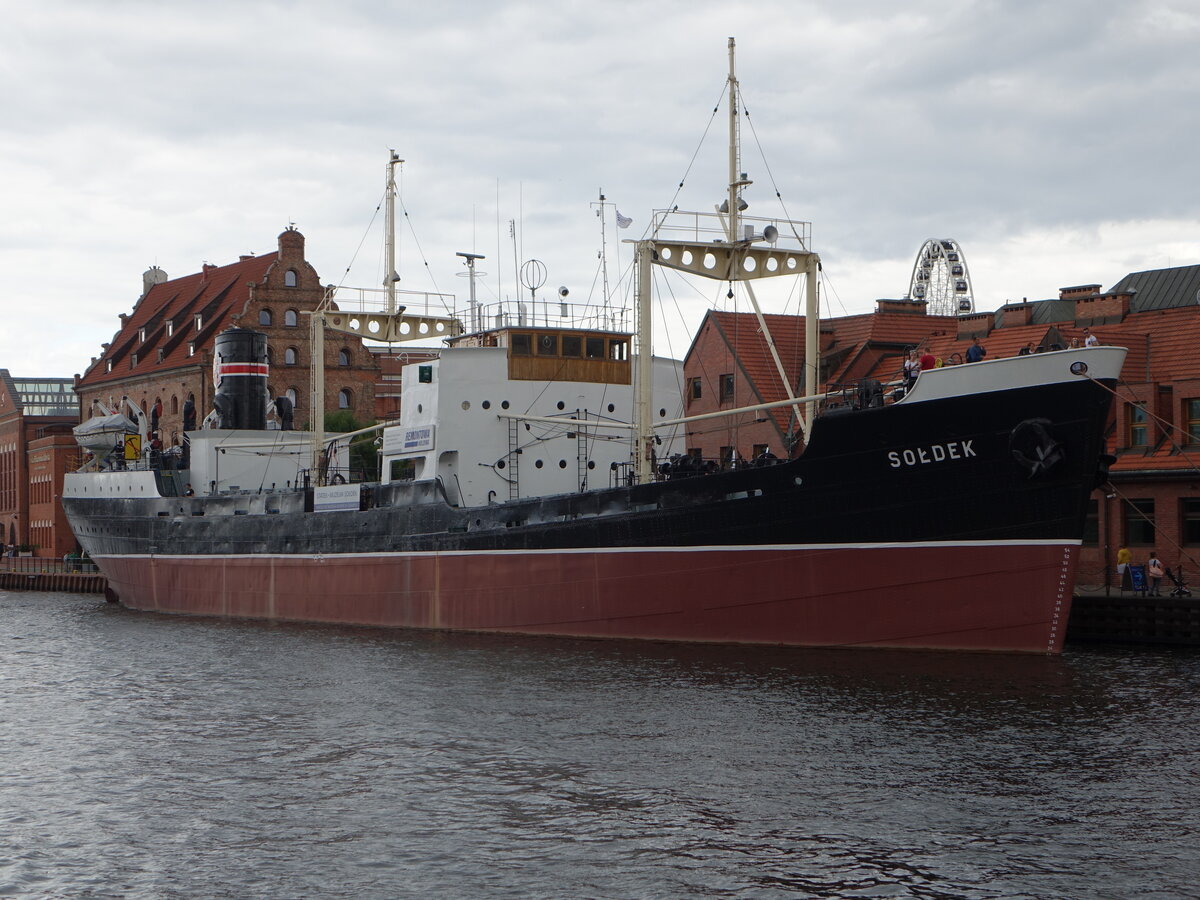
(976, 352)
(928, 360)
(1089, 339)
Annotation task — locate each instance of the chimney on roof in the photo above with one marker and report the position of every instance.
(905, 307)
(976, 325)
(1015, 314)
(152, 276)
(245, 256)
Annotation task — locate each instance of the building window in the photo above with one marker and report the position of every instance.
(191, 348)
(132, 360)
(290, 393)
(697, 390)
(726, 457)
(343, 399)
(1189, 513)
(264, 317)
(289, 356)
(758, 450)
(1139, 522)
(726, 392)
(1192, 410)
(108, 365)
(291, 318)
(289, 278)
(174, 405)
(1139, 430)
(170, 327)
(199, 320)
(1091, 524)
(343, 357)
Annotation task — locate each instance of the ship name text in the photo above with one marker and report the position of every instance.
(933, 453)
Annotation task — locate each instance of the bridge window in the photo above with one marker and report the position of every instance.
(572, 346)
(618, 349)
(547, 345)
(595, 348)
(522, 345)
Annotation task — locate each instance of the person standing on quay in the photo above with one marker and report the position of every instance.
(1154, 569)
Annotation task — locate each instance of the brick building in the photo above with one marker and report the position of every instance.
(162, 352)
(36, 448)
(1153, 499)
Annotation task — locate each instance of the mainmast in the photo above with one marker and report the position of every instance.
(740, 257)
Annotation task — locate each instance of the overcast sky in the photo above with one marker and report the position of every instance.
(1056, 142)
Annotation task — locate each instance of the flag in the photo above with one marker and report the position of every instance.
(623, 221)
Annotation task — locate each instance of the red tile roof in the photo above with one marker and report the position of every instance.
(215, 293)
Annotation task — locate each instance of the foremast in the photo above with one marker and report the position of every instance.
(744, 256)
(393, 325)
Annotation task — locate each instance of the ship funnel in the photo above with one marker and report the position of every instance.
(240, 379)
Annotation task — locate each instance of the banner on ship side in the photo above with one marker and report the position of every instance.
(408, 439)
(336, 498)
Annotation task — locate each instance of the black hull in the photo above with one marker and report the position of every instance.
(1007, 465)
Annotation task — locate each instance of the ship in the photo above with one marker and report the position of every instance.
(536, 483)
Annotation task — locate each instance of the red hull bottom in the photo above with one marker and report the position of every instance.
(1004, 596)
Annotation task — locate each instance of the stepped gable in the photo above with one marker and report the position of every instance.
(215, 292)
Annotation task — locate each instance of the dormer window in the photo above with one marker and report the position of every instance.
(199, 322)
(170, 327)
(142, 335)
(191, 348)
(160, 354)
(289, 278)
(132, 360)
(108, 365)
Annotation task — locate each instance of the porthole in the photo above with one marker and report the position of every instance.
(591, 464)
(611, 408)
(466, 404)
(420, 408)
(662, 413)
(562, 463)
(561, 405)
(500, 465)
(504, 405)
(486, 404)
(538, 464)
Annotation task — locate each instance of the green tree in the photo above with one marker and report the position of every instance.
(364, 461)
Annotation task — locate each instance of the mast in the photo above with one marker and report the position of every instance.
(744, 256)
(392, 275)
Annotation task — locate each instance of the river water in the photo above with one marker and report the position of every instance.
(147, 756)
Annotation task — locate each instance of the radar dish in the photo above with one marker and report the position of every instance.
(940, 278)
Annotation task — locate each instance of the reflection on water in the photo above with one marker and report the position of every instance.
(151, 756)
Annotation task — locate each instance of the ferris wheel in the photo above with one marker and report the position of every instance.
(940, 278)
